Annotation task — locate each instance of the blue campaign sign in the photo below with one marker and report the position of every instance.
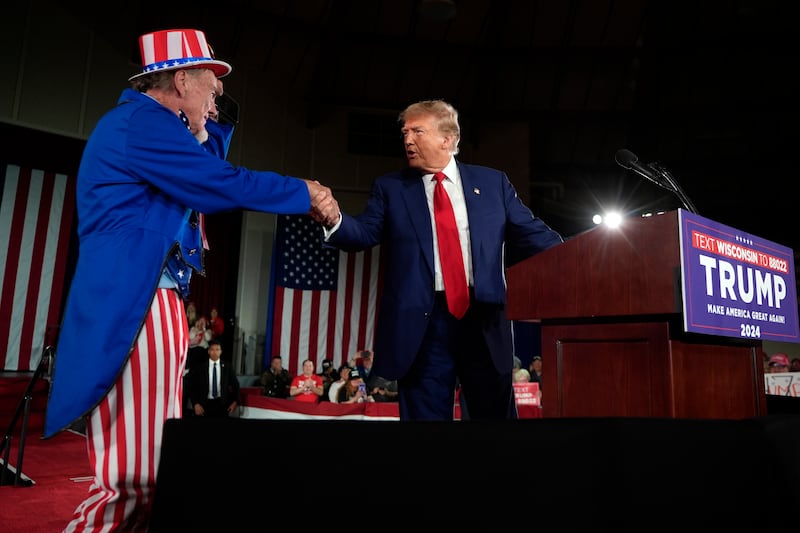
(736, 284)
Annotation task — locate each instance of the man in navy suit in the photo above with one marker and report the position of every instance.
(202, 390)
(418, 340)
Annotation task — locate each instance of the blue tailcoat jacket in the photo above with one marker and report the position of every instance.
(397, 218)
(141, 173)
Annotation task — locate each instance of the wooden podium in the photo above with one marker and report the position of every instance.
(613, 342)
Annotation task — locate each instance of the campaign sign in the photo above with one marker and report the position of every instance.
(527, 393)
(735, 284)
(783, 384)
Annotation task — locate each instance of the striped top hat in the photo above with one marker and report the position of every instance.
(177, 49)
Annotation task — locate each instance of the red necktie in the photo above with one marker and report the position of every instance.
(452, 262)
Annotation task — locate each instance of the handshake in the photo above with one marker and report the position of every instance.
(324, 207)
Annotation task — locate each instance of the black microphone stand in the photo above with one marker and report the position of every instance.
(23, 410)
(673, 186)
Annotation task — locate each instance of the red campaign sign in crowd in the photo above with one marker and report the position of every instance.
(527, 394)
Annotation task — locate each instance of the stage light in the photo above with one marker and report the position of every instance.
(612, 219)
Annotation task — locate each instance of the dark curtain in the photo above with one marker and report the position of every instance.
(218, 287)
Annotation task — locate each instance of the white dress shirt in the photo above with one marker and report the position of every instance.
(456, 193)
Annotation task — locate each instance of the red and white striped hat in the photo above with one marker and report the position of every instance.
(177, 49)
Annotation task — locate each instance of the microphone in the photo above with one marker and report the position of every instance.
(627, 159)
(656, 173)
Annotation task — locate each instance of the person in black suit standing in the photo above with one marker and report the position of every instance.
(213, 388)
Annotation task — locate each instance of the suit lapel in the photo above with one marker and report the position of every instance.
(470, 182)
(417, 205)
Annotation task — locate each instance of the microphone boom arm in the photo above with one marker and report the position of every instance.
(675, 187)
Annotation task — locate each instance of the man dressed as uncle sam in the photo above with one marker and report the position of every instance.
(150, 167)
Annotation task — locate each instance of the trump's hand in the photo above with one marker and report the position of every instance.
(324, 207)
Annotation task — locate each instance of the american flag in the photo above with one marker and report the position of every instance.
(36, 216)
(323, 302)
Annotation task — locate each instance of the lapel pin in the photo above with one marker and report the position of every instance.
(476, 190)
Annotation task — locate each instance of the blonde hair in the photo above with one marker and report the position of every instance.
(445, 114)
(522, 376)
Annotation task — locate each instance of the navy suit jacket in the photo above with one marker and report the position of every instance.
(397, 217)
(198, 384)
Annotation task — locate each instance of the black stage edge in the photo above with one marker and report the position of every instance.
(598, 474)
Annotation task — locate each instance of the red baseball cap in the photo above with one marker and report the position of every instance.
(779, 359)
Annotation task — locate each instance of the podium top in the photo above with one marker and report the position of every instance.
(633, 269)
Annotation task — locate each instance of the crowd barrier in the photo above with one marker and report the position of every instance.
(256, 406)
(263, 407)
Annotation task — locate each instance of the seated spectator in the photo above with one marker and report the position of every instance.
(276, 379)
(354, 390)
(522, 376)
(378, 387)
(382, 389)
(333, 390)
(216, 324)
(778, 363)
(191, 314)
(199, 335)
(306, 387)
(535, 370)
(364, 364)
(328, 376)
(526, 394)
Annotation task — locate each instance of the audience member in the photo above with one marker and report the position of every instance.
(522, 391)
(213, 391)
(364, 364)
(765, 361)
(778, 362)
(795, 366)
(378, 387)
(328, 375)
(306, 387)
(191, 314)
(354, 390)
(216, 323)
(535, 370)
(199, 336)
(333, 390)
(382, 389)
(522, 376)
(276, 380)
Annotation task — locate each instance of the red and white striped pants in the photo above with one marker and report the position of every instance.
(124, 431)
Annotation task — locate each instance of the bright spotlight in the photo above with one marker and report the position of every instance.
(613, 220)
